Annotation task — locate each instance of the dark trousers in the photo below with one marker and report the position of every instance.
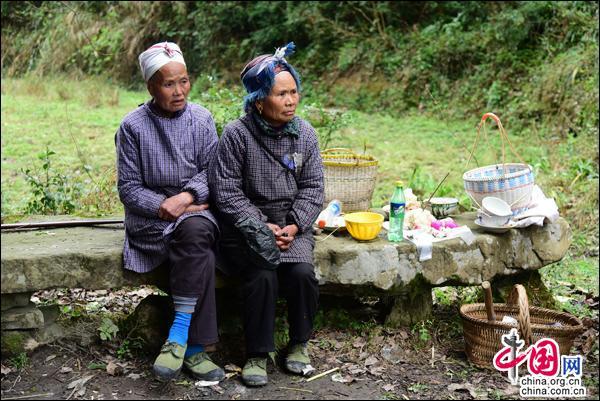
(192, 274)
(297, 283)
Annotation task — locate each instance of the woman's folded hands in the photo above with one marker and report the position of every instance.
(283, 236)
(173, 207)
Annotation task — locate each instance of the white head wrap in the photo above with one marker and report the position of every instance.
(157, 56)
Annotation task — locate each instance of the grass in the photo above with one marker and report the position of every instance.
(77, 119)
(574, 273)
(572, 280)
(407, 148)
(19, 362)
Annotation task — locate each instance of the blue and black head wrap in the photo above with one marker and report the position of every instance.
(258, 76)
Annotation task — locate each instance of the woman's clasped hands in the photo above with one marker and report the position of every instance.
(173, 207)
(283, 236)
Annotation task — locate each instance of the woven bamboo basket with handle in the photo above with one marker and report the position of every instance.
(483, 336)
(512, 182)
(350, 178)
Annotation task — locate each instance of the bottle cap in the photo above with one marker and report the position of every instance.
(399, 183)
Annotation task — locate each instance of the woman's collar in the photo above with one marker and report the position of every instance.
(156, 109)
(290, 128)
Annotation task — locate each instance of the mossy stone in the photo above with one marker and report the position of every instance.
(13, 343)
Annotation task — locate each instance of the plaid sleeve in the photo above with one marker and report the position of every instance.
(198, 184)
(226, 179)
(309, 200)
(132, 192)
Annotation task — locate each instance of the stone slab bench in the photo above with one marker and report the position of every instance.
(91, 258)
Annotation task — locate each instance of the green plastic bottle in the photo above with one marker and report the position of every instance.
(397, 206)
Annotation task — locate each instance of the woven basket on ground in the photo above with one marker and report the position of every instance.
(512, 182)
(483, 337)
(350, 178)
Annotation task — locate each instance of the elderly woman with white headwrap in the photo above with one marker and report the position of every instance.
(163, 150)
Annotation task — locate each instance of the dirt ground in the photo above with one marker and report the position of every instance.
(373, 362)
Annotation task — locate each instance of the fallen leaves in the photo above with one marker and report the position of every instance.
(30, 345)
(377, 370)
(230, 367)
(95, 301)
(417, 387)
(382, 361)
(589, 322)
(372, 360)
(339, 378)
(590, 336)
(392, 353)
(231, 370)
(114, 369)
(5, 370)
(475, 393)
(96, 366)
(354, 369)
(510, 390)
(78, 386)
(359, 343)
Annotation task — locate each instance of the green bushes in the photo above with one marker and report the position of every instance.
(53, 192)
(531, 62)
(535, 64)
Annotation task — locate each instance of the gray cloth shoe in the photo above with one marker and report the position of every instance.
(297, 359)
(203, 368)
(168, 363)
(255, 372)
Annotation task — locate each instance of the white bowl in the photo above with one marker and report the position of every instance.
(495, 206)
(491, 220)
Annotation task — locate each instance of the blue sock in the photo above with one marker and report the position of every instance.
(193, 349)
(179, 329)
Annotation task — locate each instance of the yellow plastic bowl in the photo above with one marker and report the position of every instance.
(363, 226)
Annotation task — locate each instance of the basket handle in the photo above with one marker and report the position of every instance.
(345, 151)
(518, 297)
(503, 136)
(489, 301)
(339, 150)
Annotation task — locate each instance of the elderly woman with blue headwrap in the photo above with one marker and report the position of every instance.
(267, 184)
(163, 152)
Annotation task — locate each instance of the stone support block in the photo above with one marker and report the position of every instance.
(23, 317)
(49, 333)
(16, 341)
(151, 320)
(15, 300)
(537, 293)
(50, 312)
(413, 304)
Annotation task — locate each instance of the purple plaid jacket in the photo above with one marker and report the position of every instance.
(158, 157)
(245, 180)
